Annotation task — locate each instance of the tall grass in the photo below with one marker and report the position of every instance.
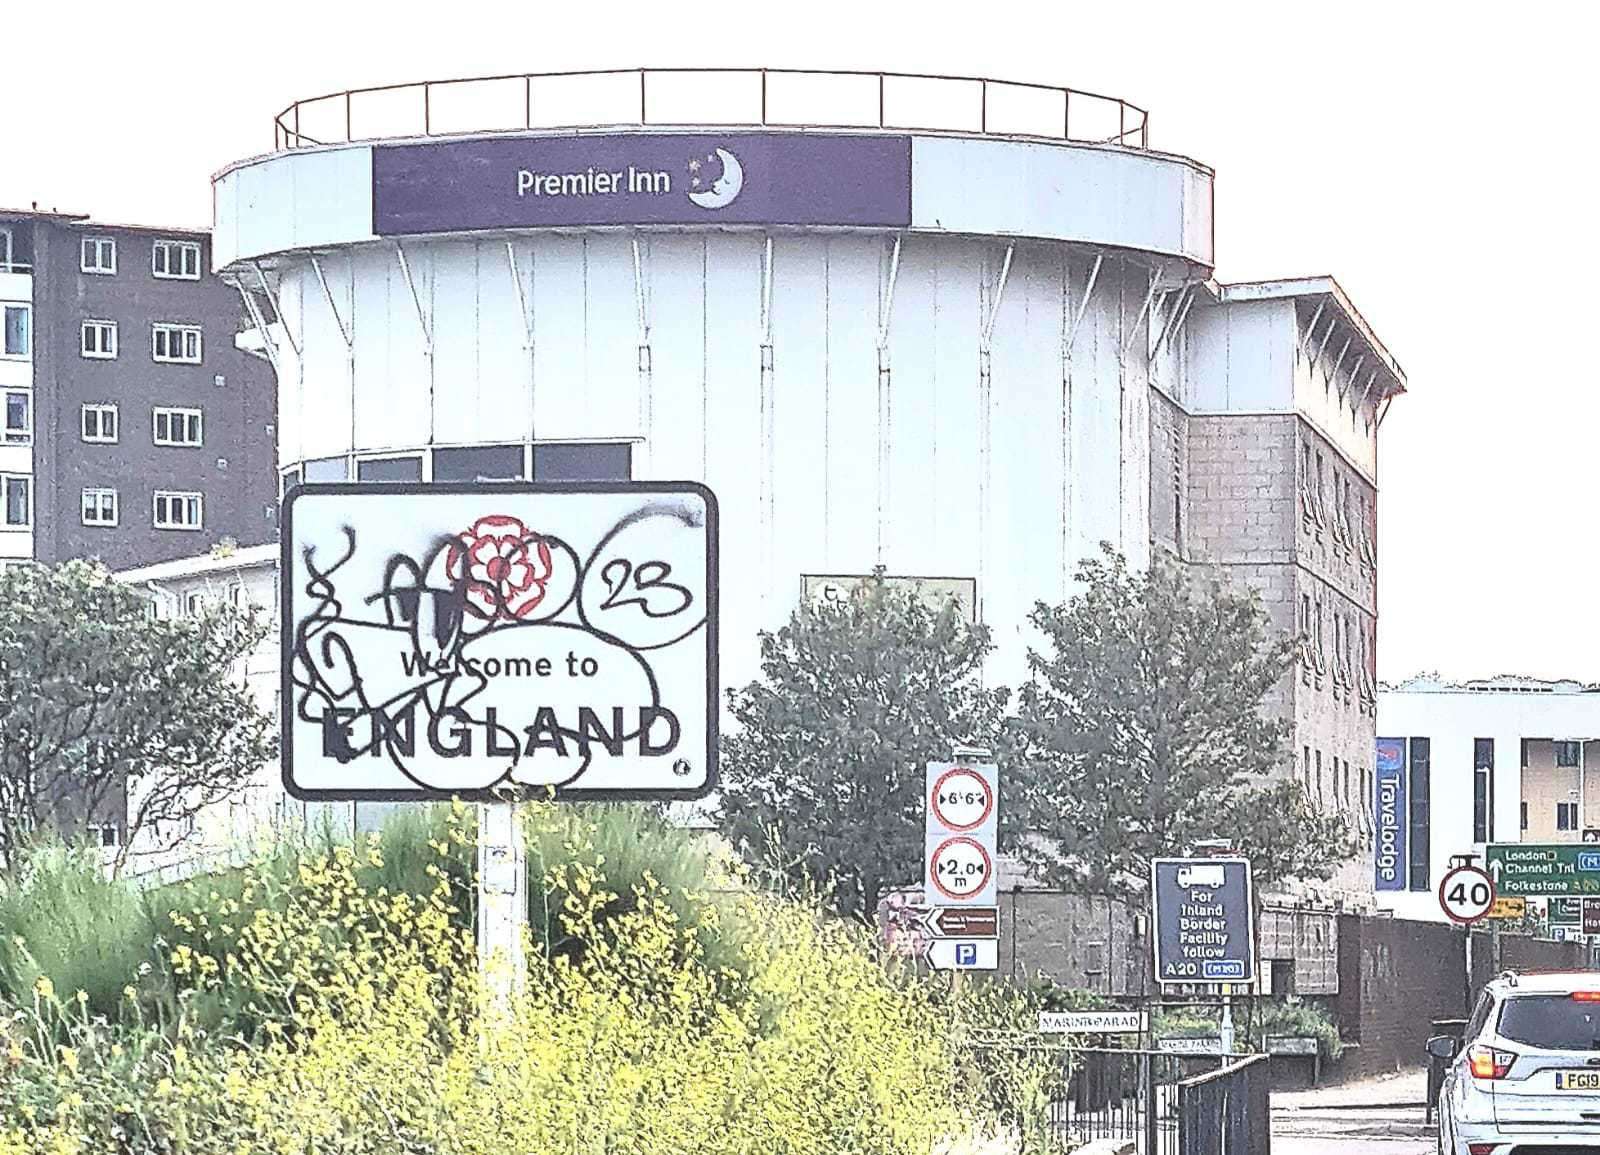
(61, 918)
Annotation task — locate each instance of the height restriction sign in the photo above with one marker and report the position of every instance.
(959, 860)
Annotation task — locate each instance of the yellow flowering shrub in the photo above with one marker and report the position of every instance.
(366, 1029)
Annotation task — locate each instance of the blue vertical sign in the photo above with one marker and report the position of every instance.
(1389, 848)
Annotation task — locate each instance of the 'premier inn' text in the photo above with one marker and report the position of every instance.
(454, 733)
(590, 183)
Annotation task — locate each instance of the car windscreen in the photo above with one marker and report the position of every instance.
(1552, 1022)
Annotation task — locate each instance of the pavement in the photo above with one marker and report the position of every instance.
(1383, 1116)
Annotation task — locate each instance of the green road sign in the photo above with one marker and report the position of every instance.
(1566, 911)
(1534, 870)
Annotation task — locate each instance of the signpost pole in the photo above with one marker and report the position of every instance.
(502, 899)
(1227, 1023)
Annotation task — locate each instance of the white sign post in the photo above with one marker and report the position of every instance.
(499, 641)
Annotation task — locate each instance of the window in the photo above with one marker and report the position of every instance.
(583, 461)
(1319, 778)
(1524, 761)
(389, 469)
(1482, 789)
(1566, 816)
(175, 343)
(178, 427)
(289, 479)
(1567, 754)
(176, 259)
(478, 463)
(17, 491)
(327, 469)
(194, 604)
(17, 340)
(179, 510)
(1524, 816)
(5, 249)
(19, 417)
(99, 255)
(104, 834)
(1349, 798)
(1550, 1022)
(100, 423)
(1305, 765)
(1421, 845)
(100, 339)
(99, 507)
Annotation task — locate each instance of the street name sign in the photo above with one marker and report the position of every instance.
(1543, 870)
(959, 858)
(1093, 1022)
(1204, 917)
(499, 640)
(1466, 894)
(1174, 1045)
(964, 954)
(962, 922)
(1291, 1045)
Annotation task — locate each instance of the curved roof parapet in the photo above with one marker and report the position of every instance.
(726, 97)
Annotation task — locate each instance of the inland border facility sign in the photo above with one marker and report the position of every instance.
(499, 640)
(1204, 918)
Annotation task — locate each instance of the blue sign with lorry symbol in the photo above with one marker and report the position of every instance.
(1204, 919)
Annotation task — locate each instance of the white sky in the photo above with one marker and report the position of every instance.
(1436, 161)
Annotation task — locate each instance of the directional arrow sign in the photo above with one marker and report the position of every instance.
(1539, 870)
(964, 954)
(963, 922)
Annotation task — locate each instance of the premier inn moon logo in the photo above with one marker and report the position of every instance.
(714, 182)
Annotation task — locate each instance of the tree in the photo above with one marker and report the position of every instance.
(98, 699)
(828, 762)
(1146, 728)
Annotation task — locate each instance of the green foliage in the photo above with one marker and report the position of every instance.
(1147, 728)
(96, 695)
(825, 769)
(373, 1034)
(63, 919)
(1289, 1017)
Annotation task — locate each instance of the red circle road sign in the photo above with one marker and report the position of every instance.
(961, 868)
(961, 800)
(1466, 894)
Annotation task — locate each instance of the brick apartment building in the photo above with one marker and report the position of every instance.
(134, 430)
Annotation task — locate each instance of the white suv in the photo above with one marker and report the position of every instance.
(1526, 1077)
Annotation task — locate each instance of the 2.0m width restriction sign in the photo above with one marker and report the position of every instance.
(959, 858)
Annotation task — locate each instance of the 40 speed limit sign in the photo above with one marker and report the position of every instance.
(959, 859)
(1466, 894)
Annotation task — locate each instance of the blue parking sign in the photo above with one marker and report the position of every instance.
(966, 954)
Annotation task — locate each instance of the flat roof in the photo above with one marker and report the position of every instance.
(83, 220)
(1500, 684)
(249, 557)
(1329, 289)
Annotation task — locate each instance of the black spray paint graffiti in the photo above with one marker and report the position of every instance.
(480, 652)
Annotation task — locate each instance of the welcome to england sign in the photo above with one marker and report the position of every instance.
(485, 641)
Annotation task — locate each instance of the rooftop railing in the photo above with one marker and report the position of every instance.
(725, 97)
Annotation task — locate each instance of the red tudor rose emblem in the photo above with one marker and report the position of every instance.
(506, 567)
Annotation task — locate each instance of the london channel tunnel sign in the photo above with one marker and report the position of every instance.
(477, 641)
(1204, 919)
(640, 178)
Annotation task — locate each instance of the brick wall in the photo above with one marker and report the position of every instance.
(1088, 943)
(1395, 977)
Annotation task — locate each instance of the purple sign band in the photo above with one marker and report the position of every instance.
(642, 178)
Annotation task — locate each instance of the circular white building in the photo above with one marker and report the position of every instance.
(931, 350)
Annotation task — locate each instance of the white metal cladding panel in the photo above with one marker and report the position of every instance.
(612, 335)
(560, 347)
(448, 282)
(293, 201)
(853, 435)
(732, 288)
(1241, 356)
(801, 460)
(913, 514)
(954, 455)
(1128, 199)
(503, 396)
(1096, 420)
(393, 386)
(325, 390)
(678, 336)
(1024, 516)
(17, 458)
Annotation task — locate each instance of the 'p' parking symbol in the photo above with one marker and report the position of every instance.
(966, 954)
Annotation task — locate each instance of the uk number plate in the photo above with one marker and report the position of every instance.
(1578, 1080)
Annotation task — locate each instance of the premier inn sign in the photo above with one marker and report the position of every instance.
(642, 178)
